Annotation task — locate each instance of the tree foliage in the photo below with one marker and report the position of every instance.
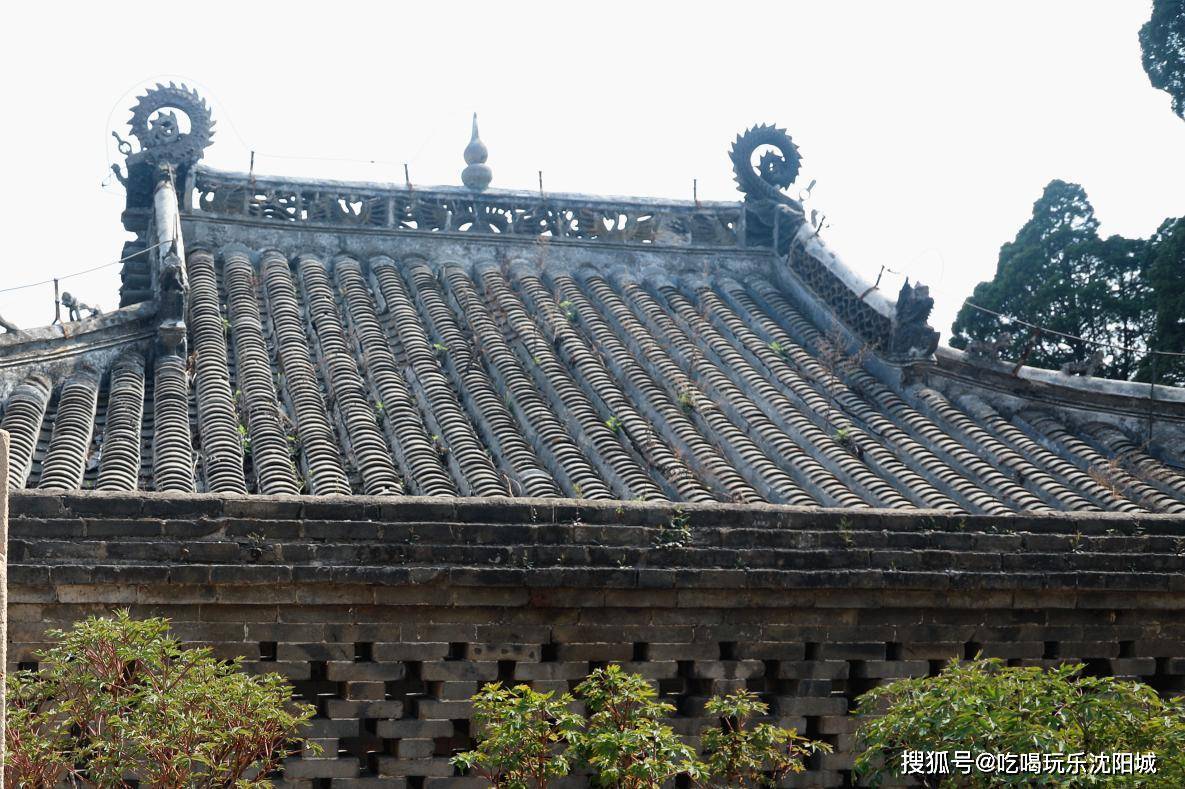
(118, 698)
(1166, 271)
(1058, 273)
(1162, 40)
(982, 706)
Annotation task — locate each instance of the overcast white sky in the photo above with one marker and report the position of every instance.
(930, 126)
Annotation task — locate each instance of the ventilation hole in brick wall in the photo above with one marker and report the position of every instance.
(672, 686)
(363, 652)
(971, 650)
(443, 746)
(893, 650)
(593, 665)
(506, 672)
(1096, 667)
(857, 688)
(683, 782)
(548, 653)
(413, 782)
(936, 667)
(685, 667)
(318, 671)
(27, 666)
(640, 652)
(456, 651)
(412, 671)
(322, 783)
(811, 650)
(1051, 650)
(1162, 682)
(267, 650)
(770, 675)
(811, 732)
(728, 650)
(1127, 649)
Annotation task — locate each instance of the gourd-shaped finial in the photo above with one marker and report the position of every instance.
(477, 174)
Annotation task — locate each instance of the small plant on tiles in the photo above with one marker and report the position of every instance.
(521, 737)
(119, 697)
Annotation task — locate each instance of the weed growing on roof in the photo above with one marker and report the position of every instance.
(613, 423)
(245, 439)
(845, 532)
(676, 532)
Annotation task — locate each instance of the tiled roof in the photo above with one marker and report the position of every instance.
(341, 338)
(392, 375)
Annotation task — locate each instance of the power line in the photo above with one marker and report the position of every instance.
(84, 271)
(1044, 330)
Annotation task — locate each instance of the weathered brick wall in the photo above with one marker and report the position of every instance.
(388, 614)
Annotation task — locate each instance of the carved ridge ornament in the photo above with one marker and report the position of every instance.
(426, 209)
(762, 183)
(155, 125)
(768, 217)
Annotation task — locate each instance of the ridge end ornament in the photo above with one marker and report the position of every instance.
(763, 182)
(157, 126)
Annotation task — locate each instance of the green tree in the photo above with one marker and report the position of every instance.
(1059, 274)
(520, 738)
(982, 706)
(118, 697)
(1166, 266)
(1162, 40)
(737, 754)
(624, 744)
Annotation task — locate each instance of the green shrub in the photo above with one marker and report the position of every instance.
(983, 706)
(520, 737)
(737, 754)
(624, 743)
(119, 697)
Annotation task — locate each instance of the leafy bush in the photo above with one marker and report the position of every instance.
(521, 732)
(983, 706)
(624, 743)
(737, 755)
(119, 697)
